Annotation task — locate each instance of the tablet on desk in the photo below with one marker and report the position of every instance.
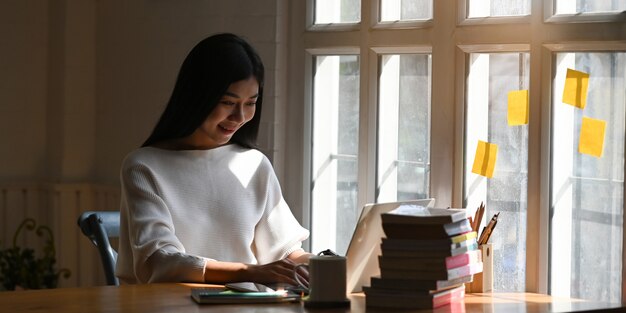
(252, 287)
(243, 292)
(249, 287)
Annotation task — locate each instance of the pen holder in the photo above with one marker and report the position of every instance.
(483, 282)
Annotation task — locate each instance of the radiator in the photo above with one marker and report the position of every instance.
(57, 206)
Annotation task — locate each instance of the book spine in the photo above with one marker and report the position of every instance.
(461, 250)
(402, 231)
(442, 284)
(464, 237)
(463, 259)
(465, 243)
(448, 297)
(397, 302)
(414, 264)
(470, 269)
(457, 228)
(417, 284)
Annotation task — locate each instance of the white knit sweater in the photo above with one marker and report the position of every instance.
(186, 208)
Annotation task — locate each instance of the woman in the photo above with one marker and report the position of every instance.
(199, 204)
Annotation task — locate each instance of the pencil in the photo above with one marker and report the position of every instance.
(488, 230)
(478, 217)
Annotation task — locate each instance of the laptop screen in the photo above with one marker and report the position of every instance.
(364, 249)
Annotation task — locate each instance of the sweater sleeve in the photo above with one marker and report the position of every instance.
(157, 254)
(278, 233)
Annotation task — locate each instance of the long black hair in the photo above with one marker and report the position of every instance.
(207, 72)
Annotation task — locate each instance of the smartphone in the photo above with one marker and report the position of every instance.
(249, 287)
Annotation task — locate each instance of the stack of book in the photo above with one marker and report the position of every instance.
(427, 256)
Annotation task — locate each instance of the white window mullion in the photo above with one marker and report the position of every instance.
(324, 174)
(561, 202)
(477, 119)
(389, 97)
(367, 128)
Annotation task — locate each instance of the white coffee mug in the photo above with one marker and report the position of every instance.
(327, 279)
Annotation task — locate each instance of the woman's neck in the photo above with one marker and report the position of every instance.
(181, 144)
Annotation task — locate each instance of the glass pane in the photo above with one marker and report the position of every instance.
(491, 77)
(334, 152)
(586, 193)
(589, 6)
(405, 10)
(490, 8)
(403, 170)
(337, 11)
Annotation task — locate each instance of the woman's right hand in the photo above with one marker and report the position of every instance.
(279, 271)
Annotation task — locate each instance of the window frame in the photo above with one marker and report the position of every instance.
(307, 125)
(462, 19)
(543, 37)
(311, 26)
(310, 55)
(376, 23)
(549, 8)
(462, 66)
(373, 58)
(549, 51)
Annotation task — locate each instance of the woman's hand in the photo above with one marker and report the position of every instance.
(280, 271)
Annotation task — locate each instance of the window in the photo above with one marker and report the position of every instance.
(392, 108)
(589, 6)
(492, 8)
(335, 150)
(587, 191)
(569, 11)
(403, 127)
(337, 11)
(405, 10)
(491, 77)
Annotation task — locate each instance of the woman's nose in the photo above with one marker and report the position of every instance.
(237, 113)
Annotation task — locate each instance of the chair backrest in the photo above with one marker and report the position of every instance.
(99, 226)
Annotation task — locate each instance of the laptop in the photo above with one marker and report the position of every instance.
(364, 248)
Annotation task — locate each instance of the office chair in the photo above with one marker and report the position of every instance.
(99, 226)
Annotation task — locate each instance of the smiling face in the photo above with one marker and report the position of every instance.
(236, 107)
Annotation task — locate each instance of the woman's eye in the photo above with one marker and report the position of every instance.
(226, 102)
(251, 104)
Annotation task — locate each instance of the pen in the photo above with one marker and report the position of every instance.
(486, 233)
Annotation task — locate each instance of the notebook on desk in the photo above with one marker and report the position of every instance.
(364, 249)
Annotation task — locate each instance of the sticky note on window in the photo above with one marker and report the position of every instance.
(518, 107)
(575, 91)
(592, 136)
(485, 159)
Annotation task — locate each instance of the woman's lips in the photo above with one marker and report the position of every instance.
(228, 129)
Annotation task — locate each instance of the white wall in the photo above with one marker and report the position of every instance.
(83, 81)
(141, 45)
(23, 57)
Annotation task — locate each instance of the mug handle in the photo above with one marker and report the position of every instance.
(295, 276)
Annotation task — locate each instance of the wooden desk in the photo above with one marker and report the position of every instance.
(156, 298)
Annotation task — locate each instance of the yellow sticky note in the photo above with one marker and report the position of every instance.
(518, 107)
(592, 136)
(485, 159)
(575, 91)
